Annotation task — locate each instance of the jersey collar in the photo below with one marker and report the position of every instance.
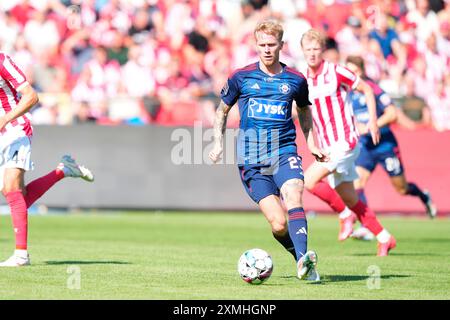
(319, 71)
(283, 67)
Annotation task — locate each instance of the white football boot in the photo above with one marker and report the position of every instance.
(431, 208)
(313, 275)
(306, 267)
(17, 260)
(72, 169)
(362, 233)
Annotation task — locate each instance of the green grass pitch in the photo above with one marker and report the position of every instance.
(194, 256)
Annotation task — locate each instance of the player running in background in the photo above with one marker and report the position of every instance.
(387, 152)
(268, 162)
(338, 137)
(15, 156)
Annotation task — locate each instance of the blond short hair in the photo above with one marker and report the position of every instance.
(271, 27)
(314, 34)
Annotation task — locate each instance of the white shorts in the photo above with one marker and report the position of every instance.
(342, 166)
(15, 153)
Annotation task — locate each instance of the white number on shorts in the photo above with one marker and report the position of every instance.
(392, 164)
(293, 162)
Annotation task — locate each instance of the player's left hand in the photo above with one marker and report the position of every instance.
(374, 132)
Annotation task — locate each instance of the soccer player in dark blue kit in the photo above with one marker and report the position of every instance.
(386, 153)
(268, 162)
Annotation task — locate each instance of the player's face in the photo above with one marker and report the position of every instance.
(268, 48)
(353, 68)
(312, 51)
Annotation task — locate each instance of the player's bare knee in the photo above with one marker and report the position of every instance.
(12, 185)
(279, 227)
(309, 186)
(8, 189)
(359, 184)
(278, 223)
(402, 190)
(309, 183)
(13, 180)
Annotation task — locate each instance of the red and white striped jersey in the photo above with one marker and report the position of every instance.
(331, 111)
(12, 79)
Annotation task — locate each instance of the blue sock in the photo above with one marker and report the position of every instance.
(362, 195)
(298, 230)
(414, 190)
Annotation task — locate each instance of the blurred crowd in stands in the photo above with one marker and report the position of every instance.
(165, 61)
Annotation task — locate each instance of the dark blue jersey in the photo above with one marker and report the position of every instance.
(361, 111)
(265, 107)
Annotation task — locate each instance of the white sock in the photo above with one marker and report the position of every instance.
(21, 253)
(345, 214)
(383, 236)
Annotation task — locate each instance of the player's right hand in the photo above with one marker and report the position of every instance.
(320, 155)
(216, 153)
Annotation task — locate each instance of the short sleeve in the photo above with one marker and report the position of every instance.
(346, 77)
(393, 35)
(12, 73)
(302, 96)
(382, 98)
(230, 91)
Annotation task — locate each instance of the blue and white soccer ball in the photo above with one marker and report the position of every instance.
(255, 266)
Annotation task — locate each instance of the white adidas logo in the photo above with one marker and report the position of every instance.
(255, 86)
(302, 230)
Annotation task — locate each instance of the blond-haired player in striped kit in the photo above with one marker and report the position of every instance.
(15, 156)
(333, 119)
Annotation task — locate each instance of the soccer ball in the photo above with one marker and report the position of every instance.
(255, 266)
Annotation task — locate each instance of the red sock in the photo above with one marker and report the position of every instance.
(324, 192)
(367, 217)
(19, 214)
(38, 187)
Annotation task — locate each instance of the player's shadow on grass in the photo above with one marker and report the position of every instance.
(307, 282)
(84, 262)
(345, 278)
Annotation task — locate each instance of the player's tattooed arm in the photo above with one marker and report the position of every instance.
(305, 118)
(220, 121)
(220, 124)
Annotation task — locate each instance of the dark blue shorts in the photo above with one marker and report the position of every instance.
(386, 153)
(264, 179)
